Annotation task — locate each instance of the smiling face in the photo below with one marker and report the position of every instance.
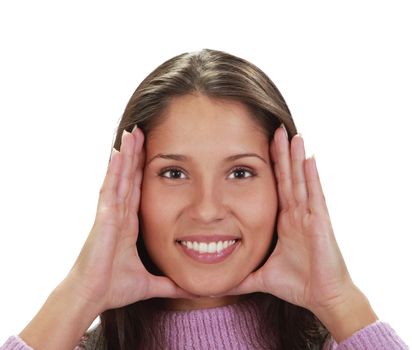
(209, 202)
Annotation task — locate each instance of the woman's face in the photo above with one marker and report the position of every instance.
(209, 201)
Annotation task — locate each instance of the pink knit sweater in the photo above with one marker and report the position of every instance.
(237, 326)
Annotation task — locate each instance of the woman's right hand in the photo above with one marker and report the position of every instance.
(108, 271)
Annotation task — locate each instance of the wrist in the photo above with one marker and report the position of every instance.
(73, 295)
(62, 320)
(74, 287)
(347, 316)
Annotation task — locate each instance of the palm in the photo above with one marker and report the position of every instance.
(108, 269)
(306, 267)
(302, 269)
(119, 267)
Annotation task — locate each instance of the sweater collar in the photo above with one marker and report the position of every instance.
(234, 326)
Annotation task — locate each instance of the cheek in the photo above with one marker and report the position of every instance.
(149, 210)
(155, 223)
(157, 205)
(259, 215)
(153, 209)
(259, 205)
(159, 213)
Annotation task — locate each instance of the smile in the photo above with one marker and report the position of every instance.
(212, 247)
(208, 252)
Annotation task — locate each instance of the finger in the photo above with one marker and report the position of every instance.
(135, 132)
(137, 145)
(316, 197)
(297, 150)
(108, 191)
(163, 287)
(137, 181)
(249, 285)
(126, 175)
(283, 168)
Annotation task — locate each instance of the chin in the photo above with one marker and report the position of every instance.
(207, 286)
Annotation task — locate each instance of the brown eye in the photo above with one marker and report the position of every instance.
(172, 173)
(241, 173)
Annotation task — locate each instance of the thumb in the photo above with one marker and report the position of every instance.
(252, 283)
(163, 287)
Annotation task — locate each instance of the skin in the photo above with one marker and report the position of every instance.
(208, 195)
(306, 268)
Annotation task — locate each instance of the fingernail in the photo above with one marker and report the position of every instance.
(315, 168)
(284, 129)
(124, 132)
(114, 150)
(134, 128)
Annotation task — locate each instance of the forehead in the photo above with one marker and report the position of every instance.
(195, 119)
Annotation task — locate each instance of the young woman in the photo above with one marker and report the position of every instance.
(211, 232)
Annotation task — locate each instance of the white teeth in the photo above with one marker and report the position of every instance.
(212, 247)
(202, 247)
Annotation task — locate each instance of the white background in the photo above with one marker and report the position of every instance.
(68, 69)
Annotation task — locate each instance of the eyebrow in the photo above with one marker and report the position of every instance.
(182, 158)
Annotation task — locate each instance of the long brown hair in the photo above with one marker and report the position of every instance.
(220, 75)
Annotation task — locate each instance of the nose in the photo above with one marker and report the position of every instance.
(207, 203)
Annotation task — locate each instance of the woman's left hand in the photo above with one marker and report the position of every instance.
(306, 267)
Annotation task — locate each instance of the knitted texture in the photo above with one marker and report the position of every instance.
(377, 336)
(15, 343)
(237, 326)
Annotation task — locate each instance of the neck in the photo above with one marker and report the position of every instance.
(201, 302)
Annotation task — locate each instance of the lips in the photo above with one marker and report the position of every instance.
(208, 249)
